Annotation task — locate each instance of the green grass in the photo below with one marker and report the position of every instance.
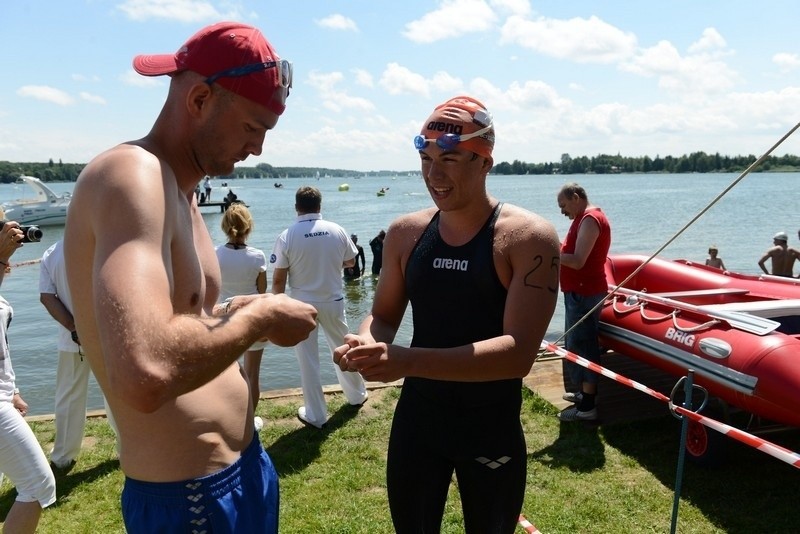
(616, 478)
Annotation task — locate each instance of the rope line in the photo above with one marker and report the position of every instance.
(527, 526)
(776, 451)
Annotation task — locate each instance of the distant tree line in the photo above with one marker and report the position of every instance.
(699, 162)
(606, 164)
(46, 172)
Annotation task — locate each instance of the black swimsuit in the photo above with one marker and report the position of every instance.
(440, 426)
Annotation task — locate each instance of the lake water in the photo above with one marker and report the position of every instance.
(645, 211)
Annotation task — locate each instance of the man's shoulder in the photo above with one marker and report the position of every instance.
(514, 216)
(413, 220)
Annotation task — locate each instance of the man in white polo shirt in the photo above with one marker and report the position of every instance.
(310, 255)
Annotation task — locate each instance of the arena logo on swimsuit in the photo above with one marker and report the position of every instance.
(450, 264)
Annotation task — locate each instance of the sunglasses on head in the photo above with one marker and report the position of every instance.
(285, 67)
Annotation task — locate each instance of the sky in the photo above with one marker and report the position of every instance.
(574, 77)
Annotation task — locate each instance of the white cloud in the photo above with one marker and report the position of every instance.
(446, 83)
(580, 40)
(693, 75)
(131, 77)
(334, 99)
(181, 10)
(95, 99)
(337, 22)
(786, 62)
(452, 19)
(363, 77)
(399, 80)
(710, 41)
(515, 7)
(46, 94)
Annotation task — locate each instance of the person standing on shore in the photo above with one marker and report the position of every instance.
(308, 257)
(145, 280)
(244, 272)
(482, 279)
(72, 374)
(782, 256)
(583, 282)
(21, 457)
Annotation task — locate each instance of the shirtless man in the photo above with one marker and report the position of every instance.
(482, 280)
(145, 280)
(782, 256)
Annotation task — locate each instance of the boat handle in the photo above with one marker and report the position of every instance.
(697, 328)
(679, 386)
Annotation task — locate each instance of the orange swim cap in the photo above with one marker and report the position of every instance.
(462, 115)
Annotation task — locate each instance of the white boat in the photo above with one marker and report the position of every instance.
(45, 209)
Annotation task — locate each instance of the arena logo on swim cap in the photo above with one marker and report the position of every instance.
(447, 127)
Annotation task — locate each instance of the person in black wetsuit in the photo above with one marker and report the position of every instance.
(360, 265)
(482, 280)
(376, 245)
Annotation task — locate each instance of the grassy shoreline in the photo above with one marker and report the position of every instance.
(612, 478)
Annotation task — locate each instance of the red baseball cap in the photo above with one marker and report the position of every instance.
(462, 115)
(217, 50)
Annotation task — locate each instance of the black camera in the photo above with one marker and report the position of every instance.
(30, 233)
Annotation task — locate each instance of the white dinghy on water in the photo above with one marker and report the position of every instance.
(45, 209)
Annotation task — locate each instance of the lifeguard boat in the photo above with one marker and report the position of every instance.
(739, 333)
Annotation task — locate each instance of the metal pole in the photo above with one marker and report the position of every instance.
(687, 403)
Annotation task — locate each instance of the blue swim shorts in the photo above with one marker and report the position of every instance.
(242, 497)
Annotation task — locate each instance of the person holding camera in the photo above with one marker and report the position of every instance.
(21, 457)
(72, 375)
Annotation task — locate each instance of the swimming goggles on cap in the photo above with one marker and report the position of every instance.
(283, 65)
(448, 141)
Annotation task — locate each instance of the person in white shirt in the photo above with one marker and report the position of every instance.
(72, 375)
(309, 257)
(244, 272)
(22, 459)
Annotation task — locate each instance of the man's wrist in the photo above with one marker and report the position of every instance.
(225, 307)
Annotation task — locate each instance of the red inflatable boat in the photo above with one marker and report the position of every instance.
(739, 333)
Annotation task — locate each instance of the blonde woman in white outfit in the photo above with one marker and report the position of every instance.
(244, 272)
(21, 457)
(309, 257)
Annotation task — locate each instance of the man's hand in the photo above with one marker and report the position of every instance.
(289, 321)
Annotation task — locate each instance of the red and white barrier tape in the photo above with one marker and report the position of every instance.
(529, 527)
(776, 451)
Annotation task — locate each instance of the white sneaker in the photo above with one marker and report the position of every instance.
(574, 398)
(258, 423)
(301, 414)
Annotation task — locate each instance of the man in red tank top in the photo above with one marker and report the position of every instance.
(583, 282)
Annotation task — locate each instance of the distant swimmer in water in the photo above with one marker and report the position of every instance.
(782, 256)
(713, 260)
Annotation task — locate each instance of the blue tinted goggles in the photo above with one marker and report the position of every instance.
(448, 141)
